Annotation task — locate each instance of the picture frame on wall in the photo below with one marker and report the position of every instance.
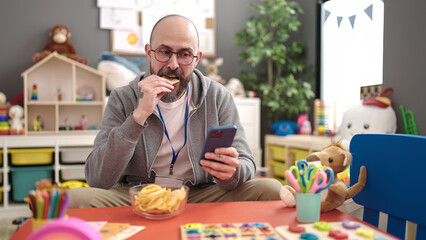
(131, 39)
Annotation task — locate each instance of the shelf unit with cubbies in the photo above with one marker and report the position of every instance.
(281, 152)
(57, 145)
(61, 91)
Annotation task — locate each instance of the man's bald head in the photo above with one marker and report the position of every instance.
(170, 18)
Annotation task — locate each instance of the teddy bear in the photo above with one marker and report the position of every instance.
(336, 157)
(16, 114)
(59, 42)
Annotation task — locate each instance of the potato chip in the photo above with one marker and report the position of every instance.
(154, 199)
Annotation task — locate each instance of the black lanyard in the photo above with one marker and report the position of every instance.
(175, 155)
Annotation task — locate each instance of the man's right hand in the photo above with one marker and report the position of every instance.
(153, 88)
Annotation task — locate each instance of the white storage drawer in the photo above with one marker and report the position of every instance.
(74, 173)
(75, 154)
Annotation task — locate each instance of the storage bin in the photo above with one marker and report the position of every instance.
(298, 153)
(24, 178)
(75, 155)
(278, 168)
(1, 194)
(278, 152)
(1, 177)
(31, 156)
(73, 174)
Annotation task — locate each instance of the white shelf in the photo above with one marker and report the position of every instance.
(83, 139)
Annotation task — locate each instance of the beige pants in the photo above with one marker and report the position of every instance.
(259, 189)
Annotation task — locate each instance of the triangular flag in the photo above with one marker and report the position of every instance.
(369, 11)
(339, 20)
(352, 20)
(326, 14)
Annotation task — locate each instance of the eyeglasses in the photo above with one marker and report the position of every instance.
(184, 57)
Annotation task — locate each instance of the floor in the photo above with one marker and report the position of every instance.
(7, 228)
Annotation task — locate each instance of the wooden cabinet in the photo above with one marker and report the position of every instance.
(281, 152)
(249, 112)
(63, 93)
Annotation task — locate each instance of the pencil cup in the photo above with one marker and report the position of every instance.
(39, 223)
(308, 207)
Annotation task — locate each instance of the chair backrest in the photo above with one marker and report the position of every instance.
(396, 176)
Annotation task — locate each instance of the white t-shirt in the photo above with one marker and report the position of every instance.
(174, 119)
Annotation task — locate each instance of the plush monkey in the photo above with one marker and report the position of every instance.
(336, 157)
(59, 42)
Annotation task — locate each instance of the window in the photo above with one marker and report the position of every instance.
(351, 51)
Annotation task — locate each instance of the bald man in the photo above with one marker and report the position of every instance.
(153, 131)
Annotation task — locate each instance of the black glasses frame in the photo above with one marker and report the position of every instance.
(170, 56)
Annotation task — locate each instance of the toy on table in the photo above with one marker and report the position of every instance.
(59, 42)
(284, 127)
(16, 114)
(222, 231)
(303, 124)
(337, 158)
(49, 203)
(309, 178)
(410, 125)
(331, 230)
(66, 229)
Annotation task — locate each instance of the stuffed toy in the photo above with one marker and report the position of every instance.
(16, 114)
(236, 88)
(212, 69)
(336, 157)
(59, 42)
(372, 115)
(119, 71)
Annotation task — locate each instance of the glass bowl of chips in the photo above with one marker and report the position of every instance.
(154, 201)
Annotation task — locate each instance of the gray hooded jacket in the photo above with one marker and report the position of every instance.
(124, 151)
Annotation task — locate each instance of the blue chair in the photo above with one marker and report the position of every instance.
(396, 176)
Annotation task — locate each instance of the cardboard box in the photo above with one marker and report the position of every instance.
(31, 156)
(24, 178)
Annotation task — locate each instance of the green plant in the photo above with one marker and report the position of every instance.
(280, 77)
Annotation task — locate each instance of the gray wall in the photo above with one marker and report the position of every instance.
(24, 28)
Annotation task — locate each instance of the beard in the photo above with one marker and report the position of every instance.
(183, 83)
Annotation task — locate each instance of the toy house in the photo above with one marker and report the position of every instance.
(62, 95)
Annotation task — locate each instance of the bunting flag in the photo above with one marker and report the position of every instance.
(368, 11)
(352, 20)
(339, 20)
(326, 14)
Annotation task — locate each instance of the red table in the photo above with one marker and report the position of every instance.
(272, 212)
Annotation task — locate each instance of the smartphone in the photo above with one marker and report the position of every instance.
(217, 137)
